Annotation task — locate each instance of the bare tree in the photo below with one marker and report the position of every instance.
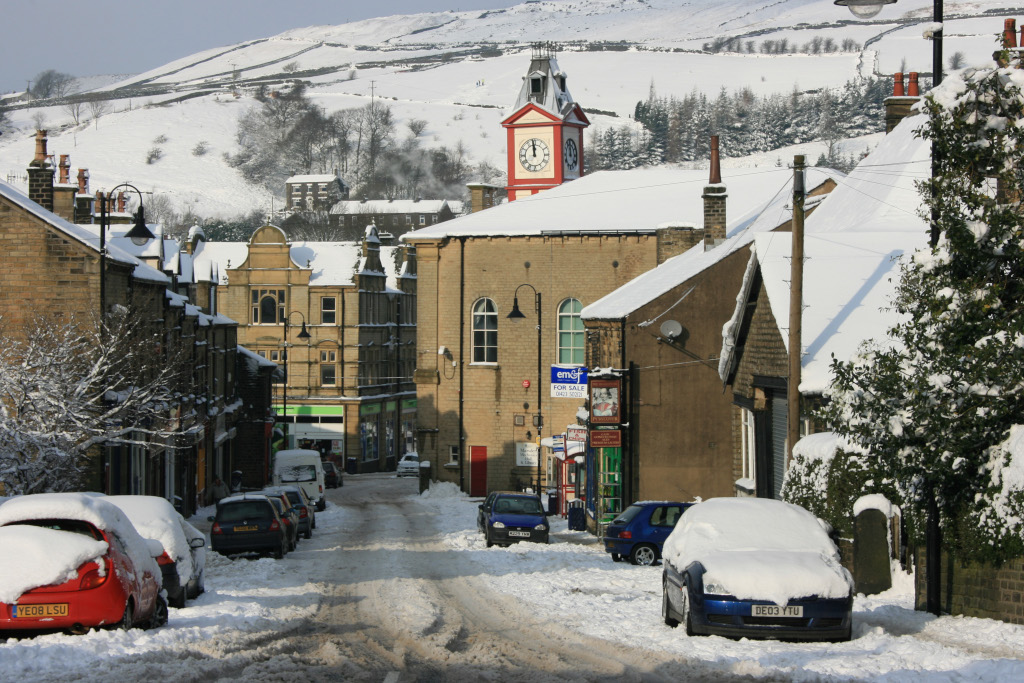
(73, 108)
(39, 119)
(98, 108)
(957, 60)
(51, 83)
(67, 387)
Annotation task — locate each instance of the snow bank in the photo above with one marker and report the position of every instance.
(33, 556)
(440, 490)
(87, 508)
(875, 501)
(759, 549)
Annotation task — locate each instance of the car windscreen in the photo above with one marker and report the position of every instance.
(518, 506)
(75, 526)
(248, 509)
(628, 514)
(298, 473)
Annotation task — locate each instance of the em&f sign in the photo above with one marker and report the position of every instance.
(568, 381)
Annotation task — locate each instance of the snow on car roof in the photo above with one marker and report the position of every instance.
(156, 518)
(35, 556)
(86, 507)
(759, 549)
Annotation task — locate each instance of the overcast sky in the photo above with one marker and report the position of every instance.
(92, 37)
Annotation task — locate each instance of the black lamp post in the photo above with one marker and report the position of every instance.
(139, 234)
(866, 9)
(516, 314)
(303, 334)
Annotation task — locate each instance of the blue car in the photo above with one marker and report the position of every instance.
(641, 530)
(755, 568)
(507, 517)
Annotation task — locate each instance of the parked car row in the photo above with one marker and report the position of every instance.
(76, 561)
(263, 522)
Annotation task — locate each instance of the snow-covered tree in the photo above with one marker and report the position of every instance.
(66, 388)
(933, 403)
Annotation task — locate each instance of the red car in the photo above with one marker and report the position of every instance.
(72, 562)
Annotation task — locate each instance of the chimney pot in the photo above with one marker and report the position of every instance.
(715, 176)
(120, 202)
(40, 147)
(83, 181)
(65, 169)
(897, 84)
(1010, 34)
(913, 90)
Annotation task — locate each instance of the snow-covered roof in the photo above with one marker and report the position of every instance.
(613, 201)
(332, 263)
(255, 358)
(314, 178)
(677, 270)
(388, 206)
(556, 100)
(88, 235)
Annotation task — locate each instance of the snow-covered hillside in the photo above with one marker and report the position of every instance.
(460, 71)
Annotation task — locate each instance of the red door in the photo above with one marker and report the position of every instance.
(477, 471)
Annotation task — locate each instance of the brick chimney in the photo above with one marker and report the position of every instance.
(64, 191)
(897, 106)
(84, 201)
(40, 175)
(714, 201)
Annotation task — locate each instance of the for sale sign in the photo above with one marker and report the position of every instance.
(568, 381)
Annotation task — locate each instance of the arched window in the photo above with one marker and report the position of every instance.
(485, 332)
(267, 306)
(570, 332)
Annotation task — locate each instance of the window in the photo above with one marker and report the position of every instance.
(272, 354)
(485, 332)
(570, 332)
(408, 219)
(423, 219)
(328, 308)
(267, 306)
(328, 368)
(747, 444)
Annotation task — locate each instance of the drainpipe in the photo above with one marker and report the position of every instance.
(462, 349)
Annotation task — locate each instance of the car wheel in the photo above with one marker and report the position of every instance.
(487, 539)
(159, 613)
(179, 601)
(309, 532)
(616, 557)
(128, 619)
(279, 552)
(644, 555)
(685, 614)
(666, 607)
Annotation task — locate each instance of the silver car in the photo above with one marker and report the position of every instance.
(409, 465)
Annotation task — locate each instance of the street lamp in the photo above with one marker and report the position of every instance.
(303, 334)
(516, 314)
(139, 234)
(933, 538)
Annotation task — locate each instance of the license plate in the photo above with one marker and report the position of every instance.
(59, 609)
(524, 534)
(247, 528)
(776, 611)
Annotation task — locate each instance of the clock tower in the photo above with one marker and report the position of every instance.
(544, 131)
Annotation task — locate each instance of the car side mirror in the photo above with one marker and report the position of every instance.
(481, 506)
(211, 518)
(197, 543)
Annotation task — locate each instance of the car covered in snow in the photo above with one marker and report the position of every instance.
(183, 560)
(409, 465)
(506, 517)
(755, 568)
(74, 561)
(248, 523)
(639, 532)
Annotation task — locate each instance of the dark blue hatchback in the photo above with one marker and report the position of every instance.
(507, 517)
(640, 531)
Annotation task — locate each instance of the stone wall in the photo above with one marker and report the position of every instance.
(975, 590)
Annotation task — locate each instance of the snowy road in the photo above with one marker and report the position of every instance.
(396, 587)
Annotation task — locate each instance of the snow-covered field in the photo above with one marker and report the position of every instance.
(254, 611)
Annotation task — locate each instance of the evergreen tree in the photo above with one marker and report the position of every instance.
(933, 404)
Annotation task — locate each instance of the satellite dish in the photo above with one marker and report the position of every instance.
(671, 329)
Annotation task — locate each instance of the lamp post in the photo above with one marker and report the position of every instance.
(933, 538)
(139, 234)
(516, 314)
(303, 334)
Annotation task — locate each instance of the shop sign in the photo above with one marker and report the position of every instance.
(606, 438)
(526, 454)
(575, 433)
(568, 381)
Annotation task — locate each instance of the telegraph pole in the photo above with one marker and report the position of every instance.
(796, 286)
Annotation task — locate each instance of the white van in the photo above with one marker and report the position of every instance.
(301, 467)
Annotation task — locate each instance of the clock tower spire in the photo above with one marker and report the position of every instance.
(545, 129)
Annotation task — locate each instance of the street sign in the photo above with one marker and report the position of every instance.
(606, 438)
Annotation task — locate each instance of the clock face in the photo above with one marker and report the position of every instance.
(534, 154)
(572, 156)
